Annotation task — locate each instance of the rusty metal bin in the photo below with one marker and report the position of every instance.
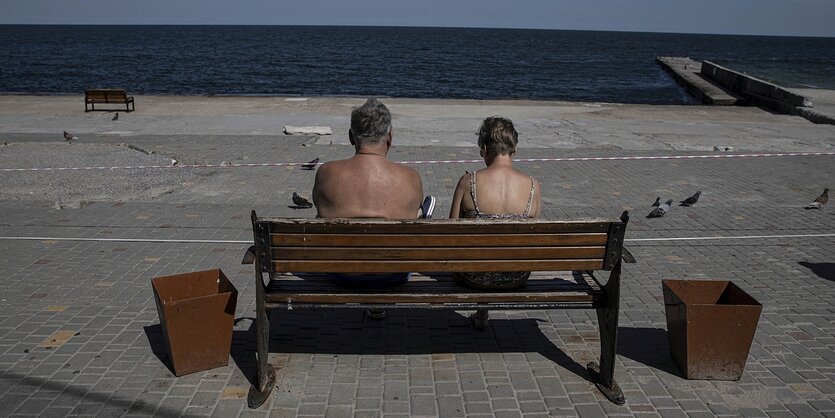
(710, 324)
(196, 312)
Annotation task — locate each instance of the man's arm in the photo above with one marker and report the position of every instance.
(318, 183)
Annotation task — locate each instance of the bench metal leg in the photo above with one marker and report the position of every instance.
(265, 373)
(603, 374)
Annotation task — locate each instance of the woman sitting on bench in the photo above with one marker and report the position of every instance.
(499, 191)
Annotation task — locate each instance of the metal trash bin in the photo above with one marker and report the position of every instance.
(196, 313)
(710, 324)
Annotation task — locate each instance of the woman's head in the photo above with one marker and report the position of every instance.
(497, 136)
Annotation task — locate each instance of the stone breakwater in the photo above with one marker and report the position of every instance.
(717, 85)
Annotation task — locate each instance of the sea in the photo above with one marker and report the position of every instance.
(415, 62)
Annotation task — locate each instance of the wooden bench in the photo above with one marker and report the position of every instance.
(311, 247)
(107, 96)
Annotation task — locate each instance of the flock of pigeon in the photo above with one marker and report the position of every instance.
(661, 209)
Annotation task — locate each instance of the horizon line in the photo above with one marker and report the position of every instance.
(418, 27)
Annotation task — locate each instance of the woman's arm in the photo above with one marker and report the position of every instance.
(537, 199)
(461, 189)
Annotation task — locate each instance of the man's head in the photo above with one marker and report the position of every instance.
(497, 136)
(370, 123)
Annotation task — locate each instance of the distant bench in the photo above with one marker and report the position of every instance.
(107, 96)
(311, 247)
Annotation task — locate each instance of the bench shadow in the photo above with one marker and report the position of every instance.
(648, 346)
(823, 270)
(157, 343)
(404, 331)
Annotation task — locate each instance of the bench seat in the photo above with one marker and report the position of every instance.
(107, 96)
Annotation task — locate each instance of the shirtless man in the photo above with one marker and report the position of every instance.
(368, 185)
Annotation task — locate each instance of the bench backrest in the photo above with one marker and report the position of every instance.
(104, 95)
(443, 245)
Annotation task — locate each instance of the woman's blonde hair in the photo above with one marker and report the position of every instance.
(497, 136)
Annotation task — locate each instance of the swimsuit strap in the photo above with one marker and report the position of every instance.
(472, 191)
(530, 198)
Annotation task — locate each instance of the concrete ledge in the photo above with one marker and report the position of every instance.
(815, 116)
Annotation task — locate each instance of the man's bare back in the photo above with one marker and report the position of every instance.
(367, 185)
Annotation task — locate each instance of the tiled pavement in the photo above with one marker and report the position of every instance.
(79, 332)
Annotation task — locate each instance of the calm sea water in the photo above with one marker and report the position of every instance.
(397, 62)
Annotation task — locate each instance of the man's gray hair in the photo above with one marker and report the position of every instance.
(370, 122)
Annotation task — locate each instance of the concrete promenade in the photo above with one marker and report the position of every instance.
(80, 336)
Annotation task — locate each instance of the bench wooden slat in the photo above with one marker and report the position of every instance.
(404, 240)
(96, 96)
(435, 289)
(412, 298)
(439, 226)
(379, 266)
(451, 253)
(539, 280)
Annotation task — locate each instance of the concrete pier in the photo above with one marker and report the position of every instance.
(688, 73)
(720, 86)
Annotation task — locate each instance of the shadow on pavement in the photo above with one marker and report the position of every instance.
(404, 331)
(648, 346)
(105, 399)
(822, 270)
(157, 344)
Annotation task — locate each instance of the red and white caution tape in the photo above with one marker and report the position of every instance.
(557, 159)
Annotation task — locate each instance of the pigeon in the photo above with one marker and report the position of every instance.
(116, 116)
(68, 137)
(690, 201)
(311, 165)
(820, 201)
(660, 210)
(657, 202)
(301, 202)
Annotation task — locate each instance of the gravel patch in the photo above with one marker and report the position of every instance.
(74, 188)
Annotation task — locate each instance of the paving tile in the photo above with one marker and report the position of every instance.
(333, 363)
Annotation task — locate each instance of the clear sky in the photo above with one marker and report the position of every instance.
(754, 17)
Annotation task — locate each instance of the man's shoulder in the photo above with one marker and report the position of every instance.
(406, 172)
(403, 168)
(335, 165)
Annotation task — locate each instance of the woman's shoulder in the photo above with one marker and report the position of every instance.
(465, 178)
